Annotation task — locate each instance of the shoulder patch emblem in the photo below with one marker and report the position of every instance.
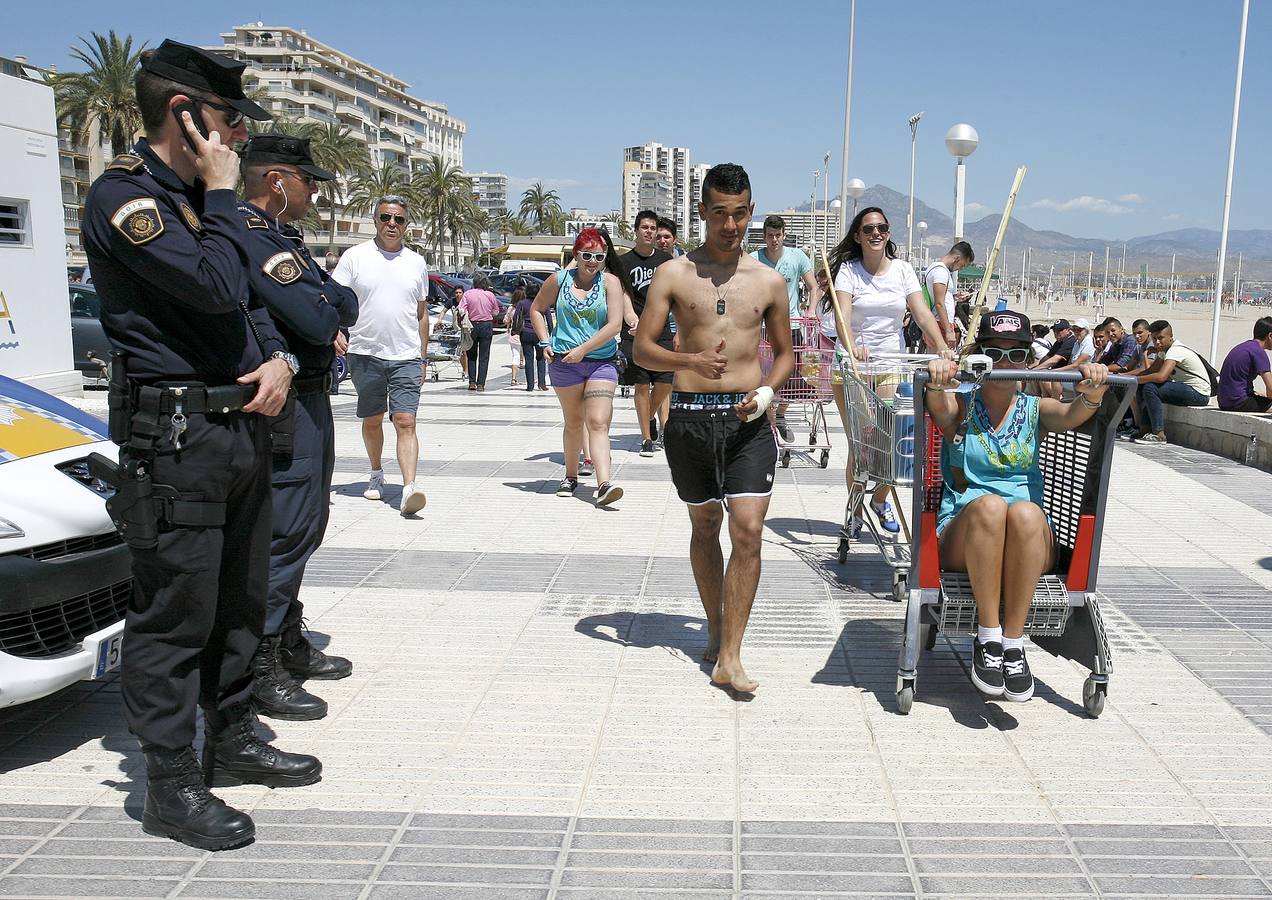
(138, 220)
(255, 221)
(128, 162)
(190, 218)
(282, 267)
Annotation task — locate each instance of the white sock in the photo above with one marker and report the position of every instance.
(1016, 643)
(986, 635)
(377, 473)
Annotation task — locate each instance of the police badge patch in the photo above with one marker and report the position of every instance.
(138, 220)
(282, 267)
(191, 218)
(254, 221)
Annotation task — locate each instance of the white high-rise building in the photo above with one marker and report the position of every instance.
(697, 229)
(490, 190)
(309, 81)
(655, 193)
(670, 161)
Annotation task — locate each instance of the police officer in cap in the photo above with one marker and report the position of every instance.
(197, 368)
(279, 179)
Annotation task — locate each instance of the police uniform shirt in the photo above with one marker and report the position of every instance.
(306, 305)
(169, 262)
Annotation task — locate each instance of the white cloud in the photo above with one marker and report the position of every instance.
(1130, 198)
(976, 209)
(1173, 217)
(1085, 203)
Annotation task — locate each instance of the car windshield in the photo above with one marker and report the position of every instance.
(85, 305)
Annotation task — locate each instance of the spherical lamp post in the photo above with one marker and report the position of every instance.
(856, 187)
(961, 141)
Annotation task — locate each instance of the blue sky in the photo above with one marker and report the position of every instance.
(1120, 108)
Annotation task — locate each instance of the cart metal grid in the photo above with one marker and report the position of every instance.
(804, 395)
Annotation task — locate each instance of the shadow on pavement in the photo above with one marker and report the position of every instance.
(685, 635)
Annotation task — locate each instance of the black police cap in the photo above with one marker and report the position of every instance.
(205, 71)
(285, 149)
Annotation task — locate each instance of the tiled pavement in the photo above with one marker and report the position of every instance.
(528, 719)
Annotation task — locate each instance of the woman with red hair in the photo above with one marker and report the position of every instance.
(582, 352)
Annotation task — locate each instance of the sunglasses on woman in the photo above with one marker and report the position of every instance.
(591, 255)
(998, 354)
(389, 217)
(871, 229)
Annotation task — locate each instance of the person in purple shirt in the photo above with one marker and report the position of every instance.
(1240, 367)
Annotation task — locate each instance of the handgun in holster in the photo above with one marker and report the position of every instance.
(119, 398)
(142, 509)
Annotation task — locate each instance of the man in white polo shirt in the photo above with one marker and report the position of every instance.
(388, 342)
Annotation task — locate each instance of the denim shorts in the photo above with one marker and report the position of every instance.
(391, 385)
(566, 374)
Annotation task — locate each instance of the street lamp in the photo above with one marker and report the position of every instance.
(909, 219)
(836, 205)
(852, 33)
(961, 141)
(854, 188)
(923, 226)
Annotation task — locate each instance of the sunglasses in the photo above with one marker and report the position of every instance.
(396, 220)
(591, 255)
(233, 117)
(1015, 355)
(303, 176)
(871, 229)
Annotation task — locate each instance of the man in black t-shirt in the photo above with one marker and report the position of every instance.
(651, 389)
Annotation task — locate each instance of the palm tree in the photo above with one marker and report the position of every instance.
(335, 148)
(539, 205)
(509, 223)
(104, 95)
(368, 186)
(445, 193)
(555, 222)
(476, 226)
(622, 227)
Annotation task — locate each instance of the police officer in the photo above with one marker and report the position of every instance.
(279, 181)
(196, 371)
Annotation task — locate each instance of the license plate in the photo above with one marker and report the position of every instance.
(108, 654)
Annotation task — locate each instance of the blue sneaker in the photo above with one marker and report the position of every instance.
(887, 517)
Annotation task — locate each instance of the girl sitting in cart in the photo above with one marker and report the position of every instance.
(991, 524)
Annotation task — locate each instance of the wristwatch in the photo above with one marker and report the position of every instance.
(290, 358)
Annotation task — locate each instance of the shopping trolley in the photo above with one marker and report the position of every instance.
(443, 351)
(1064, 618)
(879, 400)
(806, 394)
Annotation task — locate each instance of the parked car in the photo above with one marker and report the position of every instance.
(507, 282)
(88, 341)
(450, 281)
(65, 576)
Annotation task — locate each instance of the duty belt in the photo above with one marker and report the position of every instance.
(197, 397)
(313, 384)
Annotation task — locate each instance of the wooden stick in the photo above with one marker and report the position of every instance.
(982, 295)
(840, 330)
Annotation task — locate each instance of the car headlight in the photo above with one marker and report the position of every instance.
(9, 529)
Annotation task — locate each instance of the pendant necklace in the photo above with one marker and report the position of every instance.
(720, 298)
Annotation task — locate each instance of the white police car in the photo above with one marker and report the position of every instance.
(64, 573)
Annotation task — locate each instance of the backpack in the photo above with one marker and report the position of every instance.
(1211, 372)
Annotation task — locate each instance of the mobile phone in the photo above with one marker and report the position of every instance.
(192, 107)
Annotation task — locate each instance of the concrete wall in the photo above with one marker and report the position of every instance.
(1222, 433)
(35, 318)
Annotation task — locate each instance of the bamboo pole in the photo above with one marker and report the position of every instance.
(982, 294)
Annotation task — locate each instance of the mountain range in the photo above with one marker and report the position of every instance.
(1195, 248)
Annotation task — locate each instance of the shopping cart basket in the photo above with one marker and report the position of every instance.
(443, 351)
(805, 394)
(879, 401)
(1064, 618)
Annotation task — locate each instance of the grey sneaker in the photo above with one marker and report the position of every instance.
(608, 493)
(1150, 438)
(647, 448)
(375, 486)
(585, 467)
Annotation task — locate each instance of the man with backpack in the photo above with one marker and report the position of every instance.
(940, 284)
(1179, 376)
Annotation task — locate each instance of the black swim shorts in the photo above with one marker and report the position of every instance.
(714, 455)
(637, 374)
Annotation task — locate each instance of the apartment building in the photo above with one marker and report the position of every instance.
(311, 81)
(655, 193)
(79, 161)
(697, 228)
(490, 190)
(800, 225)
(672, 162)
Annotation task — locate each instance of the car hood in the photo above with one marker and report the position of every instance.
(33, 423)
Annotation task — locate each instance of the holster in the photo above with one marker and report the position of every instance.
(118, 398)
(282, 427)
(142, 509)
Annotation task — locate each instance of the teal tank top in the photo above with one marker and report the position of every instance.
(578, 321)
(989, 461)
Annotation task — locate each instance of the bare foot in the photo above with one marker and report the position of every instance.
(735, 678)
(712, 653)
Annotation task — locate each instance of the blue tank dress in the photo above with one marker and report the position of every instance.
(578, 321)
(1000, 461)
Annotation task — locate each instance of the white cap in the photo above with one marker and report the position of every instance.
(1083, 324)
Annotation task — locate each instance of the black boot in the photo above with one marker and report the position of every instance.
(179, 805)
(233, 754)
(302, 658)
(275, 693)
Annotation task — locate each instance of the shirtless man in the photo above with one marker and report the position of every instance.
(718, 442)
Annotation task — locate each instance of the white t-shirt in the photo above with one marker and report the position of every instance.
(939, 273)
(1084, 347)
(389, 287)
(1189, 369)
(878, 302)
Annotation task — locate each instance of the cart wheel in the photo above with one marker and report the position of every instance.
(786, 459)
(843, 551)
(899, 592)
(434, 376)
(929, 636)
(905, 698)
(825, 458)
(1093, 697)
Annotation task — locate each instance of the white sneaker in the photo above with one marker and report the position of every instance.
(375, 486)
(412, 500)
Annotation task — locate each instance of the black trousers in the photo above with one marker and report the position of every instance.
(479, 353)
(198, 600)
(300, 485)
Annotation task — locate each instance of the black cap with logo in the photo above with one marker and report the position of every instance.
(1004, 326)
(285, 149)
(204, 70)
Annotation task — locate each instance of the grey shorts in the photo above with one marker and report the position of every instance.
(391, 385)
